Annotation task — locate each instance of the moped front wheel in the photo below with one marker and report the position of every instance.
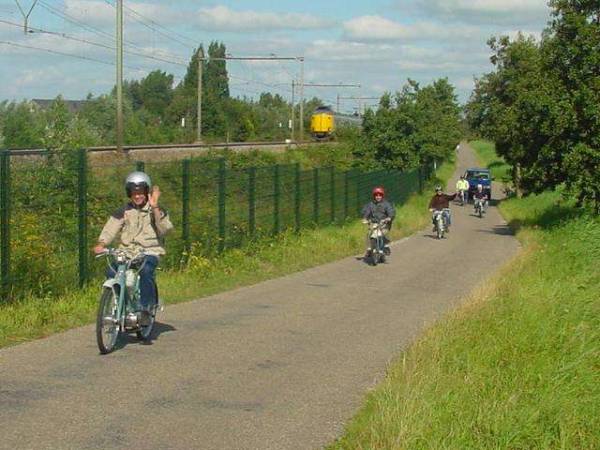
(144, 333)
(107, 321)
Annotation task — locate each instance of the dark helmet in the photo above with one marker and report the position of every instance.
(136, 181)
(378, 191)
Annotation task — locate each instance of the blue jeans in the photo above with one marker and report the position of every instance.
(147, 281)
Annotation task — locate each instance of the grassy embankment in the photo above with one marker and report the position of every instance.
(518, 365)
(34, 317)
(488, 157)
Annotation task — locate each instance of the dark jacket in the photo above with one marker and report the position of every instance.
(439, 202)
(479, 195)
(378, 211)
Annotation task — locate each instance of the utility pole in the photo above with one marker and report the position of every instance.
(202, 58)
(120, 76)
(301, 59)
(293, 109)
(345, 85)
(26, 16)
(359, 101)
(199, 118)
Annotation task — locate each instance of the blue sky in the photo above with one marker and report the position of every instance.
(378, 44)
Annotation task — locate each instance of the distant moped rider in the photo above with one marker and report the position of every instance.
(142, 224)
(441, 202)
(379, 210)
(479, 196)
(462, 185)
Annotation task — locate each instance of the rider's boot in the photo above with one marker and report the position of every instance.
(144, 318)
(368, 253)
(387, 251)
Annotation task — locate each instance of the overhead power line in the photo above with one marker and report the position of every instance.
(74, 21)
(56, 52)
(34, 30)
(155, 26)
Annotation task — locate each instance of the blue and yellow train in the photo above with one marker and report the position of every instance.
(323, 122)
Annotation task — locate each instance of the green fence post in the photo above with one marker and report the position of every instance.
(5, 223)
(357, 177)
(82, 216)
(316, 199)
(346, 193)
(276, 199)
(332, 192)
(140, 166)
(221, 206)
(252, 201)
(297, 198)
(186, 170)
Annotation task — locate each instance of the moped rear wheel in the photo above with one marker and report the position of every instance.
(107, 321)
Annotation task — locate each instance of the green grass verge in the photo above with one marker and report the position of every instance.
(32, 318)
(486, 153)
(518, 366)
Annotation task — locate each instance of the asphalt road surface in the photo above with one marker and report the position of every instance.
(279, 365)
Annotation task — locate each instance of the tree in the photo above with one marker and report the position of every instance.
(541, 104)
(415, 127)
(23, 126)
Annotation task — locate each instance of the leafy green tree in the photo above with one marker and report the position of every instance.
(156, 92)
(57, 125)
(23, 126)
(541, 104)
(415, 127)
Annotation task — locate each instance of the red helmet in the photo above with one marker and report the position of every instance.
(379, 190)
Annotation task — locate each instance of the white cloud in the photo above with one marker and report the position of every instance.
(488, 11)
(222, 18)
(348, 51)
(90, 11)
(374, 28)
(98, 12)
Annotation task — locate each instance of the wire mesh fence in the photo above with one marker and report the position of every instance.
(53, 209)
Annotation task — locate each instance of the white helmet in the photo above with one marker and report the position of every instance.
(137, 180)
(479, 187)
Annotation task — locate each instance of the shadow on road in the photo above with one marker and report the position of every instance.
(502, 230)
(131, 338)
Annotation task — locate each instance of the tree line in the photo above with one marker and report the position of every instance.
(155, 112)
(541, 103)
(414, 127)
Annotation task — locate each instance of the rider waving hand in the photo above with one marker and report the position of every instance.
(441, 202)
(141, 224)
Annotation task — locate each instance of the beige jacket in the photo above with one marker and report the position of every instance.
(138, 229)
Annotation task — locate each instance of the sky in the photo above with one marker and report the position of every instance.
(377, 44)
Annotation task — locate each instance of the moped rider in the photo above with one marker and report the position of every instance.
(142, 224)
(479, 196)
(462, 185)
(379, 210)
(441, 202)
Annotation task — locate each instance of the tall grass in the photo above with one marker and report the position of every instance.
(517, 367)
(35, 317)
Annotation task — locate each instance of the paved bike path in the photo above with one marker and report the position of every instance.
(279, 365)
